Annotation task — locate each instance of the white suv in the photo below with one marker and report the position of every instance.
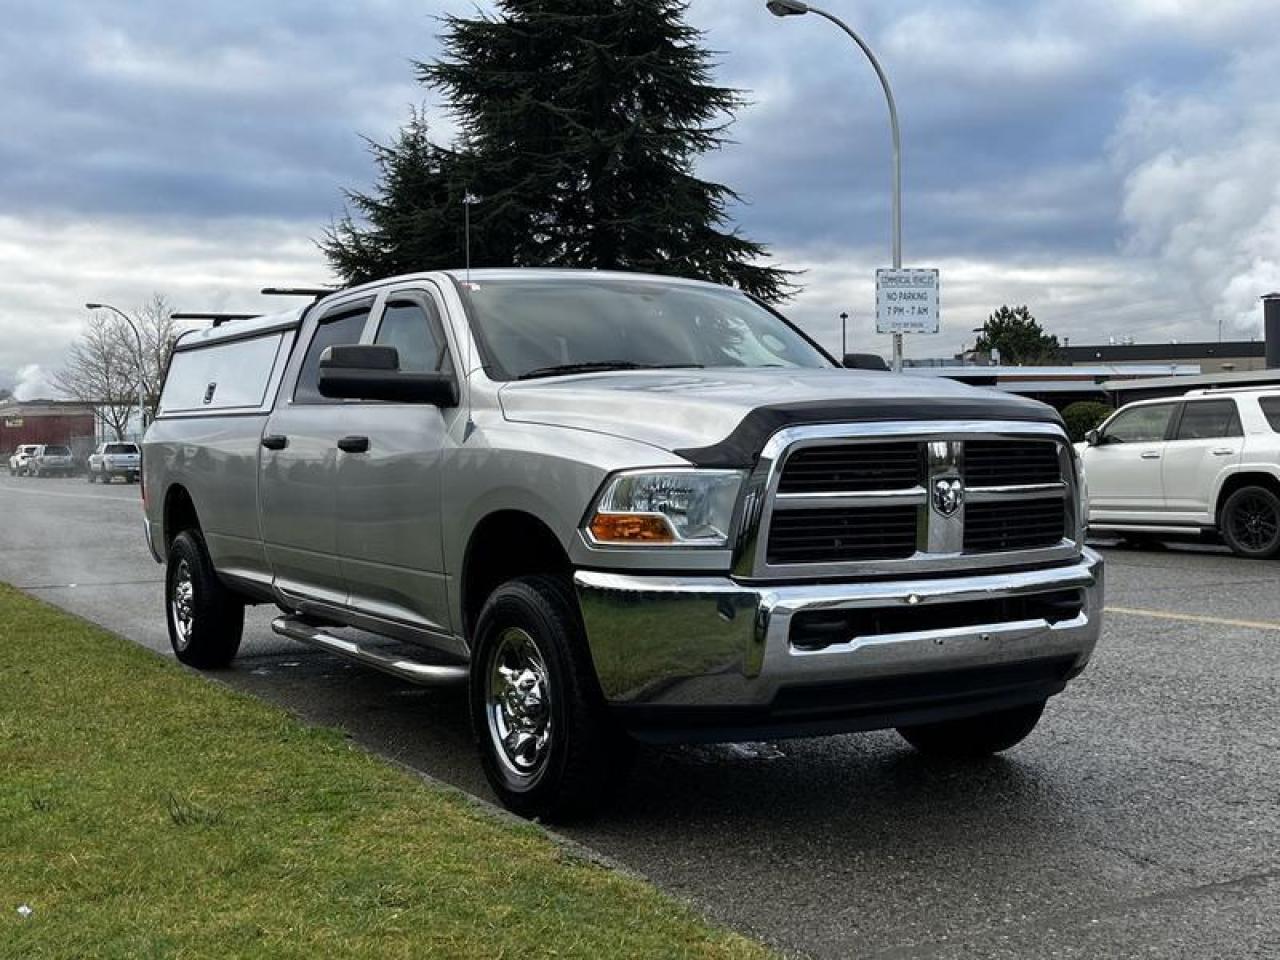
(1205, 463)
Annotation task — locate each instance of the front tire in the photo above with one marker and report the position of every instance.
(547, 745)
(206, 620)
(971, 738)
(1250, 523)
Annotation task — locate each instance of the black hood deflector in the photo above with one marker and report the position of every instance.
(742, 448)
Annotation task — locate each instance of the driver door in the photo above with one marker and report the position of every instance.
(1124, 468)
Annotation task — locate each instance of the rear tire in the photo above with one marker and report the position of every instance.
(1250, 523)
(547, 744)
(205, 619)
(89, 477)
(973, 737)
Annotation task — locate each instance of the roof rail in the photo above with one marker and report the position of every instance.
(218, 318)
(1256, 388)
(314, 292)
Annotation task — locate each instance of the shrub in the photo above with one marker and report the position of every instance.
(1083, 416)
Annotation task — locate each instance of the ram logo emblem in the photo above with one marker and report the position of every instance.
(948, 496)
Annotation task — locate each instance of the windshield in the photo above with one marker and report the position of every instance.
(541, 326)
(120, 448)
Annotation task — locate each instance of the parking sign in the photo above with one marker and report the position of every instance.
(907, 301)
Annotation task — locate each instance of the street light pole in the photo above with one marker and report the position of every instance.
(792, 8)
(142, 380)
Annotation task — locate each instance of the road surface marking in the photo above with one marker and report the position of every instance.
(1194, 618)
(72, 496)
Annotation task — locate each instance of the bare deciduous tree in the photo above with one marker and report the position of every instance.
(104, 367)
(100, 371)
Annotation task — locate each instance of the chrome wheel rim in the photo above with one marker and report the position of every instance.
(518, 704)
(182, 604)
(1254, 523)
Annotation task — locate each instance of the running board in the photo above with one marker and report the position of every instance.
(425, 674)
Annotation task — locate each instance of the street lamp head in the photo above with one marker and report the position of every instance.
(787, 8)
(93, 306)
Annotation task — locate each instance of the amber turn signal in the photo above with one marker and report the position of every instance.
(631, 528)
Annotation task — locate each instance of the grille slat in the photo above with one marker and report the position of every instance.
(994, 463)
(1014, 525)
(852, 468)
(842, 535)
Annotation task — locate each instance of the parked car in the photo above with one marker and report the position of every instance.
(1204, 464)
(20, 462)
(619, 506)
(51, 460)
(113, 460)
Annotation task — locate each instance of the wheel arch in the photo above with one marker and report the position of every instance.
(1243, 478)
(506, 543)
(179, 513)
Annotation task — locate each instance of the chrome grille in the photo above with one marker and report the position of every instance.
(831, 500)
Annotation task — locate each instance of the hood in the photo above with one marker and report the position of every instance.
(723, 417)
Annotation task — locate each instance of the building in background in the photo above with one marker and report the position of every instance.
(48, 421)
(1213, 357)
(1058, 386)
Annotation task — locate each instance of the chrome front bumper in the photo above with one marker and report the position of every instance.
(716, 650)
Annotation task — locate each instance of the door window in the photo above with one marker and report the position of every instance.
(416, 334)
(1271, 409)
(339, 330)
(1140, 424)
(1209, 420)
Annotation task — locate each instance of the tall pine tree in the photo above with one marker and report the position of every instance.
(581, 122)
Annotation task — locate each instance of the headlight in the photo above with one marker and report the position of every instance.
(691, 508)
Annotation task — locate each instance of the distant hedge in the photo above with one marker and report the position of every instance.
(1083, 416)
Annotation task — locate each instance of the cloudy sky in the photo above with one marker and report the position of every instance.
(1116, 166)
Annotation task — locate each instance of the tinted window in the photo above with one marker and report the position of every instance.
(220, 376)
(1271, 408)
(120, 448)
(415, 335)
(340, 330)
(57, 451)
(1140, 424)
(532, 324)
(1209, 419)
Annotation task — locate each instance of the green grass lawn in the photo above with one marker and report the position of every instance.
(145, 812)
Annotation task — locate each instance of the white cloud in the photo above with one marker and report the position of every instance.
(1202, 191)
(33, 384)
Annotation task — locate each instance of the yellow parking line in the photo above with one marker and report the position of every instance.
(1193, 618)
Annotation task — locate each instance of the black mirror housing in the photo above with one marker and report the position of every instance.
(369, 372)
(1093, 438)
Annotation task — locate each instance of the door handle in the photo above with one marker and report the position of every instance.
(1223, 452)
(354, 444)
(1151, 455)
(275, 442)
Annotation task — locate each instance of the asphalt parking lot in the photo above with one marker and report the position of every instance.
(1142, 819)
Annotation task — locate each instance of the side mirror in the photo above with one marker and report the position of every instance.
(865, 361)
(1093, 437)
(366, 372)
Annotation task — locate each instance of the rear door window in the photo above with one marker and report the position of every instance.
(339, 329)
(1271, 410)
(1209, 420)
(1140, 424)
(120, 448)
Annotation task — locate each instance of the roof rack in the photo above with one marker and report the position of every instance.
(1256, 388)
(315, 292)
(218, 318)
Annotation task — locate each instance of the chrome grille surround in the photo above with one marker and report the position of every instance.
(939, 538)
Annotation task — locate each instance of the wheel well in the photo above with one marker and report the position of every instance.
(1238, 480)
(504, 545)
(179, 513)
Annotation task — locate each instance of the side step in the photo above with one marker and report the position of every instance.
(426, 674)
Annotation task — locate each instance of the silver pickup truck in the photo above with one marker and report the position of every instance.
(620, 508)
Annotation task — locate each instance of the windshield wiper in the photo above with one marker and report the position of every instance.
(599, 366)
